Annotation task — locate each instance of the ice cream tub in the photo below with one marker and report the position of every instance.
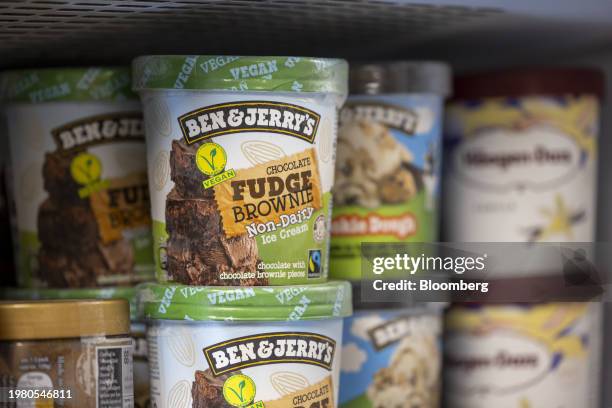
(137, 326)
(527, 355)
(391, 357)
(241, 163)
(521, 156)
(388, 159)
(274, 346)
(66, 353)
(79, 174)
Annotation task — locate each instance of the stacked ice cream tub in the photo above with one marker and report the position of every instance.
(386, 191)
(83, 231)
(240, 154)
(521, 167)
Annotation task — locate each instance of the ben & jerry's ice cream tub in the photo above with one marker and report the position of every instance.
(137, 327)
(272, 347)
(391, 357)
(66, 353)
(388, 162)
(521, 156)
(528, 356)
(79, 171)
(241, 164)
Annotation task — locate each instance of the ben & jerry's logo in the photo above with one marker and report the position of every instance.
(393, 116)
(390, 332)
(271, 348)
(94, 130)
(249, 116)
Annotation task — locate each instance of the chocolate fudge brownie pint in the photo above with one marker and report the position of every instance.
(223, 347)
(79, 171)
(66, 353)
(241, 164)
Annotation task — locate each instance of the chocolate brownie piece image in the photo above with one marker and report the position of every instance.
(63, 271)
(241, 252)
(71, 228)
(58, 180)
(195, 217)
(207, 390)
(184, 171)
(85, 269)
(201, 262)
(118, 258)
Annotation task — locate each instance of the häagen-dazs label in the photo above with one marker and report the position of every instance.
(523, 356)
(387, 172)
(526, 166)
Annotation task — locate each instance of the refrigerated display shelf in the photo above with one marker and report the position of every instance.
(467, 32)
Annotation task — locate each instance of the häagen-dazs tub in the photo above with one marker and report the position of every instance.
(520, 159)
(79, 177)
(272, 347)
(523, 356)
(388, 163)
(241, 164)
(392, 357)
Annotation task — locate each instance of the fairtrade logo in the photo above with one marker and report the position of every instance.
(314, 263)
(211, 159)
(239, 390)
(86, 169)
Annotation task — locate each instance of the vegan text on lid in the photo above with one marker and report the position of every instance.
(258, 303)
(241, 73)
(66, 84)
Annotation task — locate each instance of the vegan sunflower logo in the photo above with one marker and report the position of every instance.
(239, 390)
(86, 169)
(211, 159)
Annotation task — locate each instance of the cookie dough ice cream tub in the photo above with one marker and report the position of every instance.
(241, 164)
(391, 357)
(388, 162)
(246, 346)
(521, 155)
(508, 356)
(79, 171)
(72, 353)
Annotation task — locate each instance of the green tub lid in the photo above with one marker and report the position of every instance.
(232, 73)
(67, 84)
(127, 293)
(254, 303)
